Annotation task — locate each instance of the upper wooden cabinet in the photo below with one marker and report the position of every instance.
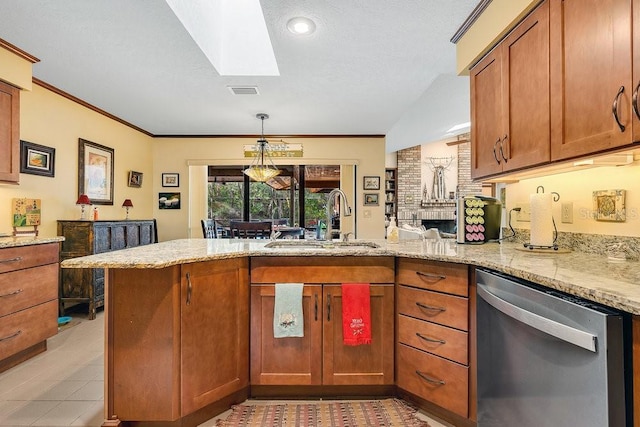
(9, 133)
(510, 103)
(591, 84)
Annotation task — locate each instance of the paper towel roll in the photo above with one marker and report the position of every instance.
(541, 219)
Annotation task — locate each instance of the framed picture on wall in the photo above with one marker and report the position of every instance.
(95, 172)
(37, 159)
(135, 179)
(371, 183)
(170, 180)
(371, 199)
(168, 200)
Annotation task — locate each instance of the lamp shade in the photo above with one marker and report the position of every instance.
(127, 203)
(83, 199)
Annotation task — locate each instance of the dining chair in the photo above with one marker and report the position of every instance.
(209, 228)
(250, 229)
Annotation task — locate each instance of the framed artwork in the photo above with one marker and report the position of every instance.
(95, 172)
(135, 179)
(168, 200)
(171, 180)
(37, 159)
(371, 183)
(371, 199)
(609, 205)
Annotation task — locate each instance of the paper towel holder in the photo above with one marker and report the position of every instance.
(554, 245)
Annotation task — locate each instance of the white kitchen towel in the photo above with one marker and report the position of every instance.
(287, 311)
(541, 219)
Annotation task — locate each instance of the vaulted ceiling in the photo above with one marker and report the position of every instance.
(369, 65)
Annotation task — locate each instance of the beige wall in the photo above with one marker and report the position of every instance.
(578, 187)
(51, 120)
(179, 154)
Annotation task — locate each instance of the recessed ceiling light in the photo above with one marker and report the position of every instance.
(301, 26)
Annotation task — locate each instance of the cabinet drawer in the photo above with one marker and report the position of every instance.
(448, 310)
(434, 276)
(322, 269)
(18, 258)
(432, 378)
(26, 288)
(25, 328)
(436, 339)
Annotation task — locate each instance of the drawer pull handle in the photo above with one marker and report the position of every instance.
(316, 307)
(614, 109)
(10, 336)
(328, 307)
(429, 307)
(432, 277)
(16, 259)
(189, 288)
(495, 153)
(429, 379)
(11, 293)
(422, 337)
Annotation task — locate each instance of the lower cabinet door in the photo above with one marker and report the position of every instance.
(435, 379)
(214, 331)
(367, 364)
(285, 361)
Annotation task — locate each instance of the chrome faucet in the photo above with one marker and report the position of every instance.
(347, 209)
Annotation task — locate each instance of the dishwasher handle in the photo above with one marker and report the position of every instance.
(561, 331)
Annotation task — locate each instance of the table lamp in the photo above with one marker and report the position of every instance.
(127, 204)
(83, 201)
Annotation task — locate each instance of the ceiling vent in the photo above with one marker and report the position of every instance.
(244, 90)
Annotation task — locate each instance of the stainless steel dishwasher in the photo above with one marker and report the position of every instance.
(549, 359)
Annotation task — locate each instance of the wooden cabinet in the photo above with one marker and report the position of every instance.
(320, 357)
(214, 331)
(28, 301)
(433, 359)
(94, 237)
(510, 100)
(177, 340)
(9, 133)
(591, 66)
(390, 192)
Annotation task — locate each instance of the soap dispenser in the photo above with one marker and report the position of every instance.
(392, 231)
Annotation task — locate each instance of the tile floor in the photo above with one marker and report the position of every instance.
(64, 386)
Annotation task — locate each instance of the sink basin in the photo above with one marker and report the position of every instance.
(319, 244)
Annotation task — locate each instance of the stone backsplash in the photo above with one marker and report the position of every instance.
(599, 244)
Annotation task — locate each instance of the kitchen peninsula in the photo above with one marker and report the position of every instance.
(167, 362)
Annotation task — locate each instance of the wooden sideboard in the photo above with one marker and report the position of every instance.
(93, 237)
(28, 301)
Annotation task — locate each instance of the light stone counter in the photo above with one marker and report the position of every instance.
(585, 275)
(12, 242)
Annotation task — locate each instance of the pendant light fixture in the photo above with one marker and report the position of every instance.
(262, 168)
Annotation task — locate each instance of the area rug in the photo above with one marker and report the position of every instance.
(353, 413)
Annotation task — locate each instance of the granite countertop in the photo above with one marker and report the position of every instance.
(12, 242)
(586, 275)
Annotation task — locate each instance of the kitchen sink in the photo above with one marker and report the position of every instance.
(320, 244)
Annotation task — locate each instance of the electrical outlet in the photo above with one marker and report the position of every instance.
(566, 212)
(525, 212)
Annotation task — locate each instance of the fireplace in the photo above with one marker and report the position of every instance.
(444, 225)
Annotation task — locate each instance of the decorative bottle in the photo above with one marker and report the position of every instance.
(392, 231)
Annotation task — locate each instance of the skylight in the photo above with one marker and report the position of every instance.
(231, 33)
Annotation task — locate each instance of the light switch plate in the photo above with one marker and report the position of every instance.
(566, 212)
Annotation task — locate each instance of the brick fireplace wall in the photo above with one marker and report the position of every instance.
(409, 192)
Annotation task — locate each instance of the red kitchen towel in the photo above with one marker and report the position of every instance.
(356, 314)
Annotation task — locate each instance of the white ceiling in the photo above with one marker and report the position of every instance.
(368, 67)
